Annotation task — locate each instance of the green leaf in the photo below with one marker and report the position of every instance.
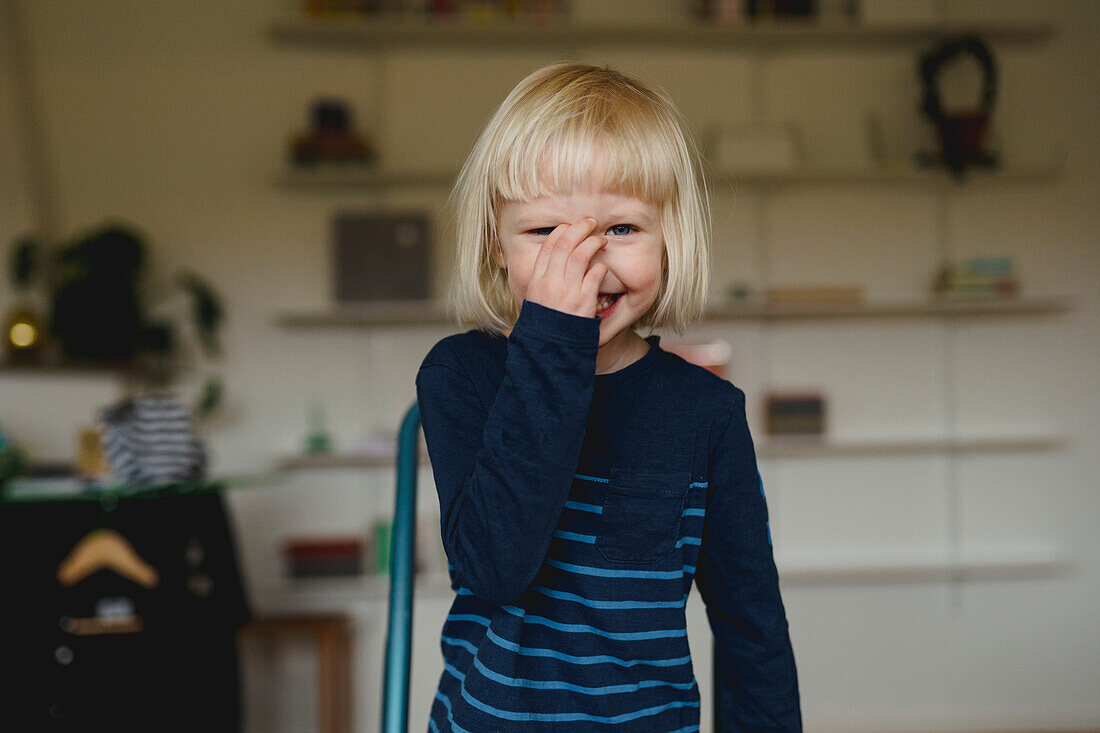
(206, 309)
(24, 262)
(210, 398)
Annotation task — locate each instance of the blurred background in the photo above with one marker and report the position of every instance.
(224, 261)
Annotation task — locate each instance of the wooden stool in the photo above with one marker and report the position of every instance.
(333, 635)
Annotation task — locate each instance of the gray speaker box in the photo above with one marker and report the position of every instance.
(381, 256)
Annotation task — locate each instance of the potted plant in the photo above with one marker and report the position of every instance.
(105, 314)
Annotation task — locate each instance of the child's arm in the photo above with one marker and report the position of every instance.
(503, 470)
(737, 579)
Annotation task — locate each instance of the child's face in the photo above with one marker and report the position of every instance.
(634, 254)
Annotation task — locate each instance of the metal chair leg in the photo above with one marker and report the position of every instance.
(395, 683)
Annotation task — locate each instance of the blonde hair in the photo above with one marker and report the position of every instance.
(541, 141)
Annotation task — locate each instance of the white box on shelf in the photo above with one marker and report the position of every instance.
(754, 148)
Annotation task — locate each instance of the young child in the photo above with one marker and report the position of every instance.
(585, 475)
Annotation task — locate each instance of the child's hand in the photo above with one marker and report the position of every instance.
(561, 278)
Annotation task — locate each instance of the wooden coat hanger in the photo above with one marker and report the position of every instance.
(105, 548)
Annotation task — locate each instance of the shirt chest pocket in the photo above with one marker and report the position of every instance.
(641, 515)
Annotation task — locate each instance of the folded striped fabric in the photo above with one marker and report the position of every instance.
(149, 440)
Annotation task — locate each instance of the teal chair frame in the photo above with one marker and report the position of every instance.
(395, 682)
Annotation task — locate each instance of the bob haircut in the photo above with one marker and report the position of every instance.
(542, 141)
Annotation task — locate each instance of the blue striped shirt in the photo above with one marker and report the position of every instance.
(577, 510)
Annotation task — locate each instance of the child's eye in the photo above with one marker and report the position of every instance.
(621, 230)
(541, 231)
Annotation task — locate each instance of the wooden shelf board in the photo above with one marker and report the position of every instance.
(64, 370)
(395, 31)
(1006, 568)
(392, 313)
(813, 448)
(932, 306)
(340, 176)
(341, 460)
(322, 591)
(369, 587)
(351, 177)
(433, 313)
(770, 448)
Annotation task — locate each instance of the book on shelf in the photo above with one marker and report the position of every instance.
(834, 295)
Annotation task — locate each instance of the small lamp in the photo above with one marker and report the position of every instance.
(24, 336)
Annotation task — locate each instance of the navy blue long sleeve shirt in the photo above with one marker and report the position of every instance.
(576, 511)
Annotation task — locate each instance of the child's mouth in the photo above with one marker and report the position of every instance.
(606, 304)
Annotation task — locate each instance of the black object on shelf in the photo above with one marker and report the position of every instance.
(381, 256)
(756, 9)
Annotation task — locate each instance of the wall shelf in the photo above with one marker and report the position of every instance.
(341, 178)
(1010, 566)
(1014, 565)
(433, 313)
(389, 313)
(780, 448)
(28, 489)
(342, 460)
(931, 307)
(395, 31)
(65, 370)
(815, 448)
(352, 177)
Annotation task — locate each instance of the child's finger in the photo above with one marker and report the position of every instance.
(590, 286)
(542, 259)
(579, 260)
(565, 243)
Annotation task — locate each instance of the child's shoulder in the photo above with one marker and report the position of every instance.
(466, 352)
(704, 385)
(718, 401)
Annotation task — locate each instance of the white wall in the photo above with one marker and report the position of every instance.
(175, 117)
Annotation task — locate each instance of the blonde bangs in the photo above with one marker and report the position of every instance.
(551, 148)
